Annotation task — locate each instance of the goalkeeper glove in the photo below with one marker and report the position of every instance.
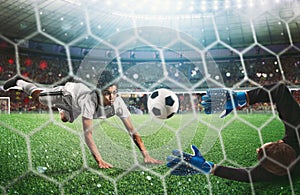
(219, 100)
(191, 164)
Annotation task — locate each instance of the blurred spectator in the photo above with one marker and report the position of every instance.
(49, 70)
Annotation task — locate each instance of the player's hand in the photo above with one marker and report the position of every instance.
(150, 160)
(187, 164)
(104, 165)
(222, 100)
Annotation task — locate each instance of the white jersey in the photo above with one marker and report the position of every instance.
(79, 99)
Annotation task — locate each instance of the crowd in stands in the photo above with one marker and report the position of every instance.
(42, 70)
(49, 70)
(20, 102)
(262, 71)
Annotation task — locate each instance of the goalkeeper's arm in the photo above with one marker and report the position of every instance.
(183, 164)
(224, 101)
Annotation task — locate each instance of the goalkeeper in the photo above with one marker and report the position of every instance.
(282, 154)
(74, 99)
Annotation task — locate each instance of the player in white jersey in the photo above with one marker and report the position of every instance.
(74, 99)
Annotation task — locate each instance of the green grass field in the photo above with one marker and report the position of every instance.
(32, 140)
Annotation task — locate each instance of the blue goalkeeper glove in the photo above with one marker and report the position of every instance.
(219, 100)
(191, 164)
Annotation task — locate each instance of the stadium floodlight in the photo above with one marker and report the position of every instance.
(239, 4)
(251, 3)
(191, 8)
(227, 4)
(216, 6)
(179, 6)
(203, 5)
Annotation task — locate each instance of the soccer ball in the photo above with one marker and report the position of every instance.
(163, 103)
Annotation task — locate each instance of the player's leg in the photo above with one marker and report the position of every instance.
(35, 95)
(55, 97)
(12, 82)
(50, 97)
(28, 87)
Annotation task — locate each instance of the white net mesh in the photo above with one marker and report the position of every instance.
(145, 52)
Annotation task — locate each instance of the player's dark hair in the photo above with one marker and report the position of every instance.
(279, 152)
(105, 80)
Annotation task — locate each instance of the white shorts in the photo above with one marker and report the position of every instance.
(58, 98)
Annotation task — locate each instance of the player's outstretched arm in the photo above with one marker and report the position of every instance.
(138, 141)
(88, 130)
(188, 164)
(224, 101)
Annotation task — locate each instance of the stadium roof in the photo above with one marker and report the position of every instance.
(235, 22)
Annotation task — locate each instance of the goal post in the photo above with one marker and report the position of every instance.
(4, 105)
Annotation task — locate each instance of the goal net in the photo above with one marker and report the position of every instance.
(4, 105)
(237, 48)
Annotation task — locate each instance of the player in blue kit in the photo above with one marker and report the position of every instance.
(74, 99)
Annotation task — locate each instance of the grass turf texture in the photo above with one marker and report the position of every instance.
(31, 140)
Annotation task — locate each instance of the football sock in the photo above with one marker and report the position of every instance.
(27, 87)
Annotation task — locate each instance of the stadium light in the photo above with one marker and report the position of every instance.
(251, 3)
(227, 4)
(215, 6)
(177, 9)
(108, 2)
(193, 73)
(191, 8)
(203, 5)
(179, 6)
(258, 74)
(264, 75)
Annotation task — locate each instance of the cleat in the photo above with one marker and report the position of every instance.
(12, 82)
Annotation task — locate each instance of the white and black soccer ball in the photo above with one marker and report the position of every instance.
(163, 103)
